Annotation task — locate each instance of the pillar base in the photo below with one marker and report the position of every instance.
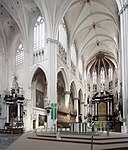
(123, 129)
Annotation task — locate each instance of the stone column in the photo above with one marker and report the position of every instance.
(67, 96)
(108, 108)
(18, 111)
(95, 108)
(124, 64)
(7, 113)
(76, 108)
(86, 107)
(52, 46)
(82, 111)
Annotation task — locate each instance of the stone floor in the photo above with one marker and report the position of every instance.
(34, 141)
(7, 139)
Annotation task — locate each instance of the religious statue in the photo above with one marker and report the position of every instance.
(15, 84)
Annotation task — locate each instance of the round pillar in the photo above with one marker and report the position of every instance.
(52, 46)
(82, 111)
(76, 108)
(7, 113)
(18, 111)
(124, 61)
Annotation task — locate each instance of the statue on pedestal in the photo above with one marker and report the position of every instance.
(15, 84)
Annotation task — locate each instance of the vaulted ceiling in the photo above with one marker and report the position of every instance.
(92, 24)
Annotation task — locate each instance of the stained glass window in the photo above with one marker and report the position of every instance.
(94, 77)
(102, 75)
(110, 74)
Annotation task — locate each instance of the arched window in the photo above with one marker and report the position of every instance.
(94, 77)
(63, 34)
(102, 76)
(39, 34)
(94, 80)
(110, 74)
(73, 54)
(80, 66)
(20, 54)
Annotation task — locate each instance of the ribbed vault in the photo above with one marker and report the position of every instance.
(94, 26)
(100, 60)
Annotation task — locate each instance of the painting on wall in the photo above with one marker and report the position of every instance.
(41, 120)
(39, 99)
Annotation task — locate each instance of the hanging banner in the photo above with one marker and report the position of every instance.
(54, 111)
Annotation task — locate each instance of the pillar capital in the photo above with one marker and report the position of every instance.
(82, 103)
(75, 98)
(52, 40)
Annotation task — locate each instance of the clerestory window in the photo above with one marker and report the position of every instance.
(63, 34)
(39, 34)
(110, 74)
(94, 77)
(102, 76)
(73, 54)
(80, 66)
(20, 54)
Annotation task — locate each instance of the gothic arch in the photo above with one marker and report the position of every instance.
(39, 88)
(73, 88)
(60, 89)
(80, 94)
(34, 70)
(65, 78)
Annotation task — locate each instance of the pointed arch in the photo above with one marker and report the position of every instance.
(80, 95)
(73, 89)
(34, 70)
(39, 88)
(60, 90)
(65, 78)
